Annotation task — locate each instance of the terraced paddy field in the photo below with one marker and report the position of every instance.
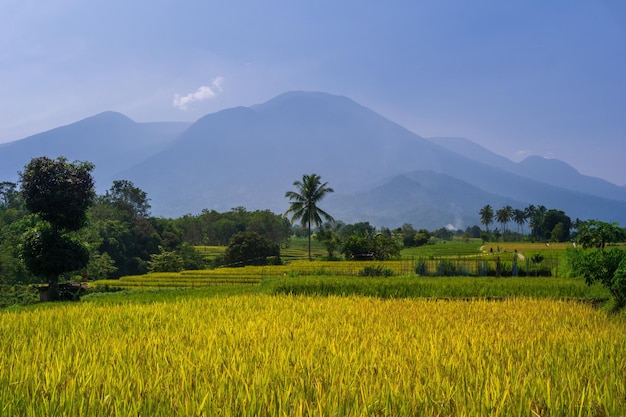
(319, 339)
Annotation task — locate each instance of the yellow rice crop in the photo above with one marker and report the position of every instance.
(252, 274)
(295, 356)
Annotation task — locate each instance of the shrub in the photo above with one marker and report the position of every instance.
(421, 268)
(250, 248)
(605, 266)
(376, 271)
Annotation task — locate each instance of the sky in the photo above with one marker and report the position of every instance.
(520, 78)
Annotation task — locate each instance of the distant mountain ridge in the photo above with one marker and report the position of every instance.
(110, 140)
(549, 171)
(381, 172)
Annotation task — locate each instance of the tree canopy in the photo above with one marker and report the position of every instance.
(59, 193)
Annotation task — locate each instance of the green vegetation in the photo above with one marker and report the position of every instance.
(301, 330)
(440, 288)
(59, 194)
(13, 295)
(304, 203)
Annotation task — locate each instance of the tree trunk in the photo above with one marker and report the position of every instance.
(53, 288)
(309, 240)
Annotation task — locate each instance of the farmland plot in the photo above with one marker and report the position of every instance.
(252, 355)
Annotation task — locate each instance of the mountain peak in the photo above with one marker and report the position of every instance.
(108, 117)
(310, 104)
(547, 165)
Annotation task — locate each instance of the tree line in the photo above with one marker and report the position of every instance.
(55, 225)
(549, 225)
(114, 234)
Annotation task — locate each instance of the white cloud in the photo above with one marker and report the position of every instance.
(201, 94)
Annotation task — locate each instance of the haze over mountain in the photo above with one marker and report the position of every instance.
(110, 140)
(549, 171)
(381, 172)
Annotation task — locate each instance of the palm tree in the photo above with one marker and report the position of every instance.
(304, 203)
(519, 217)
(503, 216)
(486, 216)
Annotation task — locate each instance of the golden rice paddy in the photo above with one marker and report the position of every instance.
(261, 355)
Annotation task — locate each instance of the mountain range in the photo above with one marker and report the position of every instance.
(380, 171)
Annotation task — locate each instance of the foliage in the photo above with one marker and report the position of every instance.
(11, 295)
(100, 266)
(537, 258)
(411, 237)
(59, 193)
(358, 228)
(376, 271)
(185, 258)
(556, 226)
(486, 216)
(13, 225)
(546, 225)
(597, 234)
(357, 246)
(121, 228)
(250, 248)
(216, 229)
(503, 216)
(327, 235)
(373, 246)
(192, 258)
(126, 198)
(605, 266)
(304, 203)
(165, 261)
(46, 253)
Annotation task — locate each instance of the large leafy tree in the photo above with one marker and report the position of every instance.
(125, 231)
(59, 193)
(250, 248)
(535, 218)
(550, 221)
(597, 234)
(304, 203)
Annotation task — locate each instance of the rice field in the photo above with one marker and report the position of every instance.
(252, 274)
(262, 355)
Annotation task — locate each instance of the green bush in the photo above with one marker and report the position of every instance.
(18, 295)
(376, 271)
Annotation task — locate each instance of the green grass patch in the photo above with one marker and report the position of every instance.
(439, 288)
(210, 252)
(444, 248)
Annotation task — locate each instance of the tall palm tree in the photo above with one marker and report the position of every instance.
(503, 216)
(486, 216)
(304, 202)
(519, 217)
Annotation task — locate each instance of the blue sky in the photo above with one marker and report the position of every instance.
(518, 77)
